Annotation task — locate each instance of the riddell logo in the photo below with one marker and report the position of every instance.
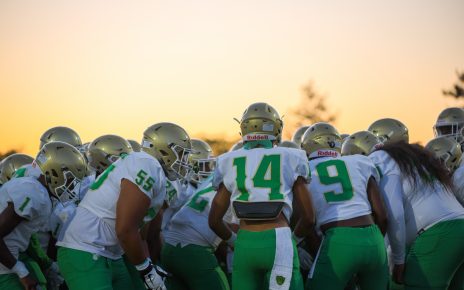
(327, 153)
(257, 137)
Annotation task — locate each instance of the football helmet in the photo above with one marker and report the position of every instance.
(363, 142)
(135, 145)
(260, 121)
(447, 150)
(10, 164)
(105, 150)
(170, 145)
(64, 167)
(450, 123)
(321, 140)
(202, 161)
(289, 144)
(389, 130)
(63, 134)
(299, 134)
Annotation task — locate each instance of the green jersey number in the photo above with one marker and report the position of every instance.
(200, 205)
(261, 179)
(335, 172)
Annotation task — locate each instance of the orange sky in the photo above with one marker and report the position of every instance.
(119, 66)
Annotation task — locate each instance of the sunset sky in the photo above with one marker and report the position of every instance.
(117, 67)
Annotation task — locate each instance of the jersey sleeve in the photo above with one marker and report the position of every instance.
(371, 168)
(25, 203)
(302, 166)
(145, 173)
(391, 188)
(217, 174)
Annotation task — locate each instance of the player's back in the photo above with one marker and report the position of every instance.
(261, 174)
(339, 187)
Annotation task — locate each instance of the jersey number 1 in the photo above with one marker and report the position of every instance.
(269, 162)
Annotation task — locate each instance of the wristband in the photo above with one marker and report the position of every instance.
(20, 269)
(231, 240)
(144, 265)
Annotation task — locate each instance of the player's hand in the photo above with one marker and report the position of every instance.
(152, 277)
(29, 282)
(398, 274)
(54, 278)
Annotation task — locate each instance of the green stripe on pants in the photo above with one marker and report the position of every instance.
(254, 261)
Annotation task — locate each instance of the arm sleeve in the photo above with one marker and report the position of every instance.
(217, 176)
(144, 173)
(391, 188)
(302, 167)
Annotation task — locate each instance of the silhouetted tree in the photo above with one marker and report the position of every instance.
(458, 88)
(311, 109)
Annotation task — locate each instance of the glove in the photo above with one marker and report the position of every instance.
(153, 277)
(54, 279)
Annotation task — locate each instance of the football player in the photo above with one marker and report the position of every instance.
(128, 193)
(188, 252)
(389, 130)
(349, 212)
(11, 164)
(261, 181)
(25, 207)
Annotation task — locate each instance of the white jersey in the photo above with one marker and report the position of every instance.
(28, 170)
(31, 202)
(190, 224)
(262, 174)
(339, 187)
(176, 197)
(411, 209)
(93, 227)
(458, 180)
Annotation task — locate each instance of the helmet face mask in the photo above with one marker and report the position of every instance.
(180, 167)
(70, 189)
(447, 150)
(450, 123)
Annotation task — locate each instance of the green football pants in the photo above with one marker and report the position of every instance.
(86, 271)
(435, 257)
(266, 260)
(193, 268)
(346, 251)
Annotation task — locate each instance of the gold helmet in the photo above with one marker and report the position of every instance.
(64, 167)
(171, 146)
(236, 146)
(105, 150)
(299, 134)
(389, 130)
(135, 145)
(450, 123)
(63, 134)
(289, 144)
(363, 142)
(260, 121)
(202, 161)
(10, 164)
(447, 150)
(320, 140)
(344, 136)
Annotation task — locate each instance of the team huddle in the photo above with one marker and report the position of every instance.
(324, 211)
